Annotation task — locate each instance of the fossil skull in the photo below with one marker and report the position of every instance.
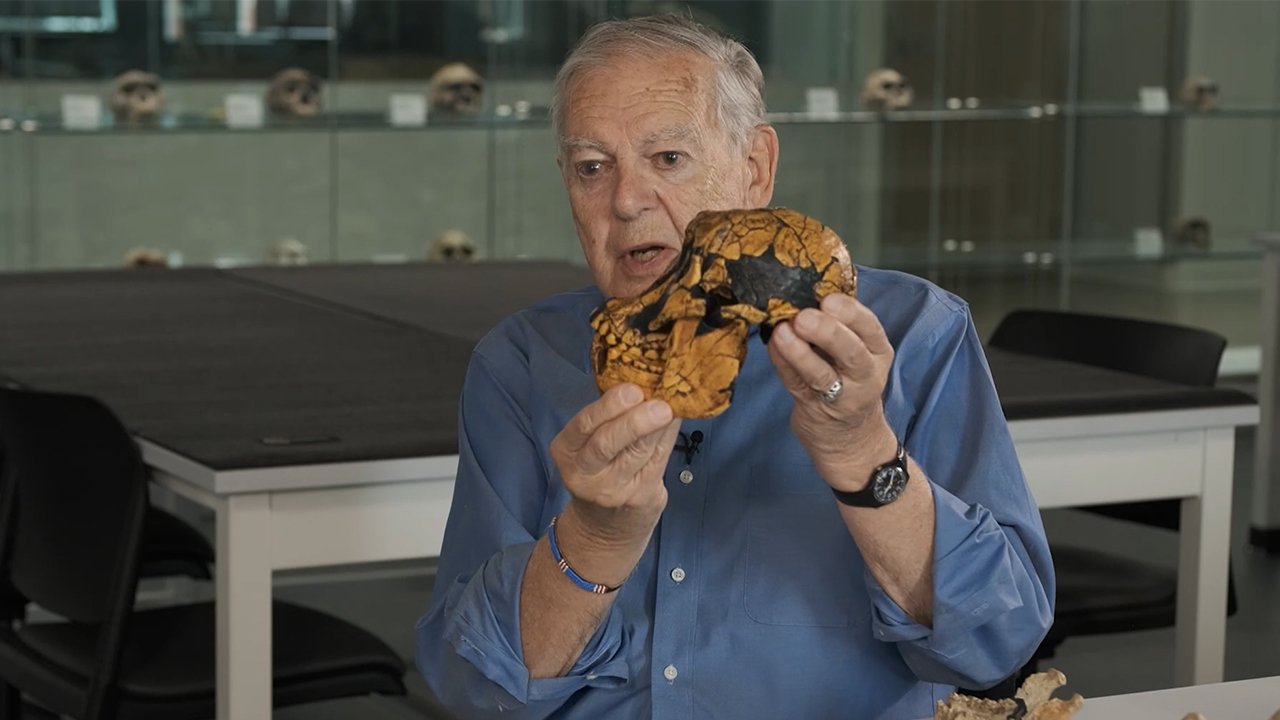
(288, 251)
(136, 96)
(1199, 92)
(145, 257)
(457, 90)
(1193, 233)
(452, 246)
(886, 89)
(685, 338)
(294, 93)
(1033, 701)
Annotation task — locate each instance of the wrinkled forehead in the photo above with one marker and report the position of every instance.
(659, 88)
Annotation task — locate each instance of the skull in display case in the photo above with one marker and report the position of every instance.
(145, 257)
(457, 90)
(136, 97)
(886, 89)
(452, 246)
(1199, 92)
(288, 251)
(294, 93)
(1193, 233)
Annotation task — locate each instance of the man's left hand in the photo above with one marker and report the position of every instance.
(843, 341)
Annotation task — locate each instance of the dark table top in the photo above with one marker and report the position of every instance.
(463, 300)
(285, 366)
(1033, 387)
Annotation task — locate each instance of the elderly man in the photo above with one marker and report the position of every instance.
(605, 559)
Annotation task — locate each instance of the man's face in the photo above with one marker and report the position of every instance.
(642, 154)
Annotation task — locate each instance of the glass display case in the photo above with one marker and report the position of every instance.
(1084, 154)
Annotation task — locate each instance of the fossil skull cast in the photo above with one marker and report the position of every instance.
(685, 338)
(1193, 233)
(1033, 701)
(452, 246)
(294, 93)
(886, 89)
(1199, 92)
(457, 90)
(136, 96)
(145, 257)
(288, 251)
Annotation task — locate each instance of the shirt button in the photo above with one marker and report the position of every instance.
(678, 574)
(670, 673)
(686, 476)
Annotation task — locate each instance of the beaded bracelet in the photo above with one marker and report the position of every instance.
(568, 571)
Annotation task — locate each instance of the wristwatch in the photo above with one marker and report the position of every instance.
(887, 483)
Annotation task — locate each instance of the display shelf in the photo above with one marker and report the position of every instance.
(215, 122)
(1050, 254)
(507, 118)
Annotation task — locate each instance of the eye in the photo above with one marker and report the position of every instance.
(669, 159)
(590, 168)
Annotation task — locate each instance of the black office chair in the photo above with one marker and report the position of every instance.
(73, 506)
(171, 547)
(1097, 592)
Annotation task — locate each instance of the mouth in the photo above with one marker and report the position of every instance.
(648, 259)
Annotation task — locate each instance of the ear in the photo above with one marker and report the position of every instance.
(762, 165)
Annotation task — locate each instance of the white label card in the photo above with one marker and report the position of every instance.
(1153, 99)
(81, 112)
(243, 110)
(408, 109)
(1148, 242)
(822, 100)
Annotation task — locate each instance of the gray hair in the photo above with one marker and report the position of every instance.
(738, 81)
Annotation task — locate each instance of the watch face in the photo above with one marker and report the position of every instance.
(889, 484)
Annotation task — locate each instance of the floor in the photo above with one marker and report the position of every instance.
(1095, 666)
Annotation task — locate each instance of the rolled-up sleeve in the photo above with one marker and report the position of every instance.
(468, 643)
(992, 572)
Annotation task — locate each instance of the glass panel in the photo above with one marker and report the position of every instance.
(12, 189)
(1169, 203)
(499, 187)
(397, 191)
(1222, 296)
(200, 199)
(973, 185)
(160, 169)
(534, 220)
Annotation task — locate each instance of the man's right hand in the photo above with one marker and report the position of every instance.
(611, 458)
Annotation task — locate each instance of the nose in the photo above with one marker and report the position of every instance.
(633, 194)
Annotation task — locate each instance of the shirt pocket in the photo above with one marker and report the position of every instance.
(802, 567)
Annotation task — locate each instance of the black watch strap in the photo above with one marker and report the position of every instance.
(886, 484)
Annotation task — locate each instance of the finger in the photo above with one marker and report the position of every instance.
(615, 401)
(786, 371)
(657, 447)
(641, 464)
(619, 434)
(632, 459)
(813, 373)
(833, 341)
(861, 320)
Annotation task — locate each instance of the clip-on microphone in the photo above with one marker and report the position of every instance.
(689, 445)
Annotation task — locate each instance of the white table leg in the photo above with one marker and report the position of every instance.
(244, 607)
(1266, 468)
(1204, 551)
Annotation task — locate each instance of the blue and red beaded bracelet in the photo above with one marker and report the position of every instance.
(568, 571)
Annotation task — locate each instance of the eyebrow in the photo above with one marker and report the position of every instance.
(573, 142)
(672, 133)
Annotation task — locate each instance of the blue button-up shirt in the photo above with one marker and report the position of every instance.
(752, 600)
